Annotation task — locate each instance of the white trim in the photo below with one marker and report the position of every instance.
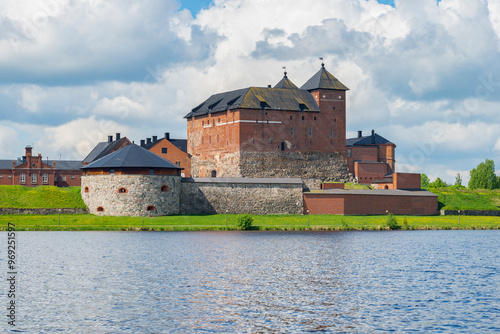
(249, 121)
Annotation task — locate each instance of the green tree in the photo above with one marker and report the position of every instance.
(424, 181)
(438, 184)
(483, 176)
(458, 180)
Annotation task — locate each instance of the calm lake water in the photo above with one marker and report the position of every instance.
(256, 282)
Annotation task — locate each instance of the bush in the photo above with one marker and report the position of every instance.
(244, 221)
(392, 222)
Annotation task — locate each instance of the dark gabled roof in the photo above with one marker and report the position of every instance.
(6, 164)
(181, 144)
(285, 83)
(66, 164)
(373, 139)
(131, 156)
(323, 80)
(102, 149)
(257, 98)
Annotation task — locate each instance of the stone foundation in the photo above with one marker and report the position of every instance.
(235, 196)
(311, 165)
(141, 192)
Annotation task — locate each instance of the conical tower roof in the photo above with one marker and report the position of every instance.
(132, 156)
(323, 80)
(286, 83)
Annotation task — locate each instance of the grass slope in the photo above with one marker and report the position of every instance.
(451, 198)
(40, 197)
(228, 222)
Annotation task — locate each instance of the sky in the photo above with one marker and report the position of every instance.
(424, 74)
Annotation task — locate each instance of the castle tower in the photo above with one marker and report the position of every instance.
(330, 95)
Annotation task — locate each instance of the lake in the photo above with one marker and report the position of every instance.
(256, 282)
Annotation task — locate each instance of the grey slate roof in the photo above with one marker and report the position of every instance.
(253, 180)
(181, 144)
(257, 98)
(323, 80)
(374, 139)
(60, 164)
(101, 150)
(6, 164)
(286, 83)
(131, 156)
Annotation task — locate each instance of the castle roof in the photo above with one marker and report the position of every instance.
(181, 144)
(286, 83)
(132, 156)
(373, 139)
(289, 99)
(102, 149)
(323, 80)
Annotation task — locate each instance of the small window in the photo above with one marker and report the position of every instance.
(291, 131)
(333, 108)
(100, 209)
(151, 208)
(218, 120)
(334, 120)
(45, 178)
(178, 163)
(214, 173)
(314, 117)
(1, 176)
(349, 153)
(33, 178)
(64, 178)
(165, 188)
(291, 117)
(253, 140)
(111, 171)
(331, 133)
(86, 190)
(151, 171)
(202, 122)
(123, 190)
(72, 176)
(23, 178)
(310, 132)
(10, 176)
(163, 150)
(302, 117)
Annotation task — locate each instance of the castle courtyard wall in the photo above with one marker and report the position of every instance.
(239, 195)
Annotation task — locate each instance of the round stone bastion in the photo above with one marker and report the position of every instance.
(132, 195)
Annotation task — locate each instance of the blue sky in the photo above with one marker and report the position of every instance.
(424, 75)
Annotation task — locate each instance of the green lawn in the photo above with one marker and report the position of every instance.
(40, 197)
(464, 199)
(228, 222)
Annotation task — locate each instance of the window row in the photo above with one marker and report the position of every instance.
(149, 208)
(123, 190)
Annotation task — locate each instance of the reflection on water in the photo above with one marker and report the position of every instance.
(354, 282)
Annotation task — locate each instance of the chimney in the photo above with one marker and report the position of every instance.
(117, 136)
(54, 164)
(28, 151)
(373, 136)
(360, 134)
(143, 143)
(148, 140)
(13, 164)
(39, 155)
(167, 136)
(373, 132)
(155, 138)
(268, 86)
(110, 139)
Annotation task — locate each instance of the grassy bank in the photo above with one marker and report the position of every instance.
(228, 222)
(451, 198)
(40, 197)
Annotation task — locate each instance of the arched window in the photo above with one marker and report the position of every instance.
(86, 189)
(100, 209)
(151, 208)
(123, 190)
(386, 187)
(165, 188)
(214, 173)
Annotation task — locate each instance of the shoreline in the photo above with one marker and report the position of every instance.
(88, 222)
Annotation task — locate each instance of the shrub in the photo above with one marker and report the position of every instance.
(392, 222)
(244, 221)
(406, 226)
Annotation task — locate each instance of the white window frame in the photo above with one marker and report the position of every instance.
(22, 178)
(45, 178)
(33, 179)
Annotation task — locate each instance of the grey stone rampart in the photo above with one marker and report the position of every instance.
(142, 191)
(237, 197)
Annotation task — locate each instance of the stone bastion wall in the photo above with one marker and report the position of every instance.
(132, 195)
(240, 195)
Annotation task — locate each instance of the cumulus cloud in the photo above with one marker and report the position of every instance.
(424, 74)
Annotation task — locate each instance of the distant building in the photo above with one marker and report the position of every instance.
(174, 150)
(370, 158)
(33, 171)
(104, 148)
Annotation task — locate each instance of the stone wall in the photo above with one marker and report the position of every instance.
(494, 213)
(311, 165)
(140, 193)
(42, 211)
(235, 196)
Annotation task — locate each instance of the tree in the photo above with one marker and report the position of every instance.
(438, 184)
(424, 181)
(483, 176)
(458, 180)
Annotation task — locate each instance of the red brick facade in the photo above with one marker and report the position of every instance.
(399, 181)
(165, 149)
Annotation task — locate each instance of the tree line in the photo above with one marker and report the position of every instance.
(481, 177)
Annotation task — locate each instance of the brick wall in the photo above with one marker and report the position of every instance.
(406, 181)
(367, 172)
(173, 155)
(371, 202)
